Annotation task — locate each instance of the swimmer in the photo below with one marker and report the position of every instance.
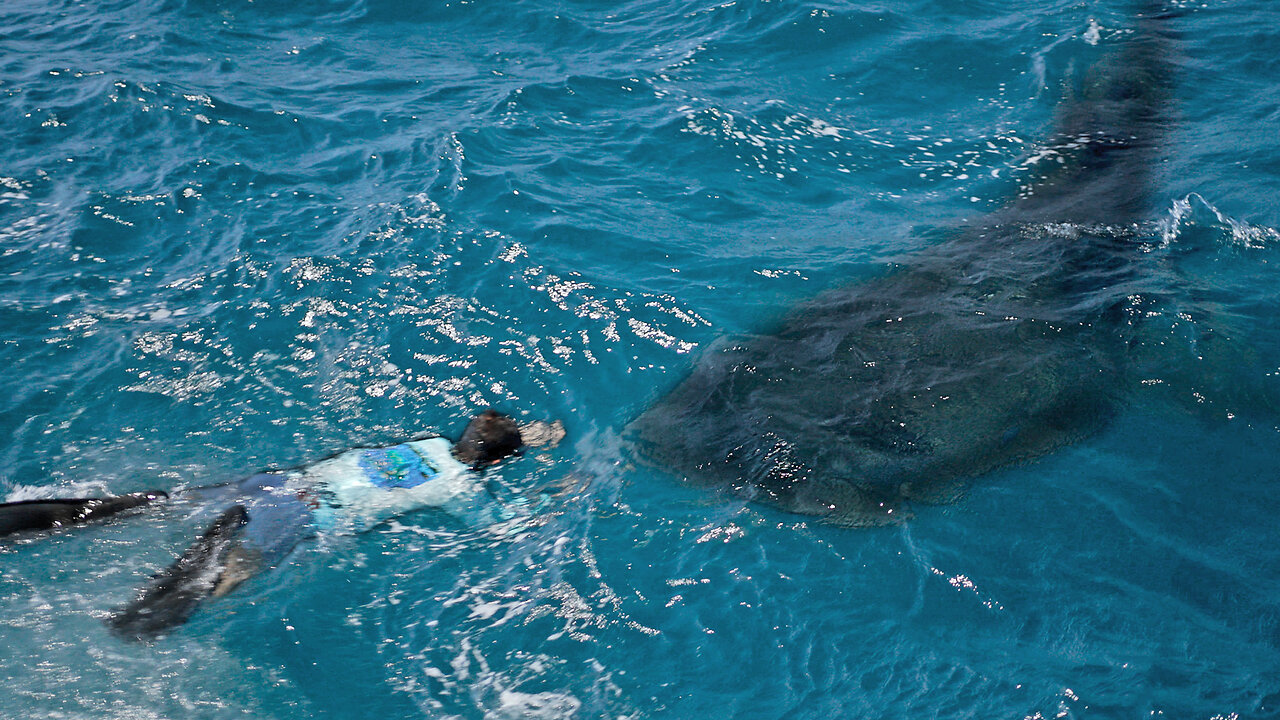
(268, 514)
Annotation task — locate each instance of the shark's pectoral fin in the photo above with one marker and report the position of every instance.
(849, 504)
(1212, 373)
(175, 592)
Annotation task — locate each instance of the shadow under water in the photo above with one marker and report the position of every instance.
(1018, 334)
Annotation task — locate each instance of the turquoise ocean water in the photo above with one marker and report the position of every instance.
(243, 235)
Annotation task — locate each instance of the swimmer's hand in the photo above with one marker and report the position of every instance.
(540, 433)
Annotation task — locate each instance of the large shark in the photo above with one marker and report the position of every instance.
(1012, 337)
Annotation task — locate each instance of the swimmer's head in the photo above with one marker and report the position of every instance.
(489, 437)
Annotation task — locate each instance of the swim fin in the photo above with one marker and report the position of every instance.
(45, 514)
(175, 592)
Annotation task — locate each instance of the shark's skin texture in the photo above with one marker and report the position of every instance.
(999, 344)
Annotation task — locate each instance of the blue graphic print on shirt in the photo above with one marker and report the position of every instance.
(399, 466)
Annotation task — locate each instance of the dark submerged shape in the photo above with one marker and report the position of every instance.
(995, 347)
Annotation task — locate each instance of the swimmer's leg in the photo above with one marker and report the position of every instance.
(257, 533)
(278, 518)
(175, 592)
(46, 514)
(277, 523)
(242, 564)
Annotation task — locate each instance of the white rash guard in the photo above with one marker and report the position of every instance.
(363, 487)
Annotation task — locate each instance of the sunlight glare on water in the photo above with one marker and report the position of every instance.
(245, 236)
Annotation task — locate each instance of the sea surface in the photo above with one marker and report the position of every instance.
(238, 235)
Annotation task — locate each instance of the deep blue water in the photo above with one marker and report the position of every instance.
(237, 235)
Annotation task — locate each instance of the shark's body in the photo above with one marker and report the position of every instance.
(995, 346)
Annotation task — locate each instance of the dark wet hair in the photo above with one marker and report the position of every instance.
(489, 437)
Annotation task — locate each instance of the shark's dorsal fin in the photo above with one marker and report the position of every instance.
(1108, 133)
